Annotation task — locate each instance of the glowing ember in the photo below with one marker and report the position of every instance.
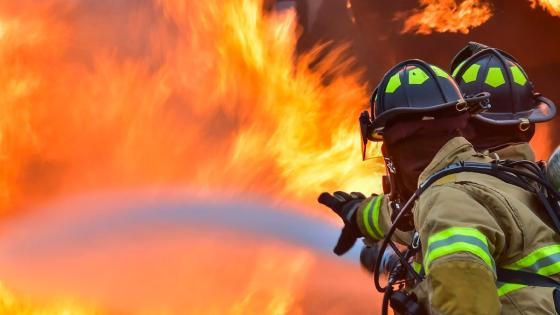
(446, 16)
(551, 6)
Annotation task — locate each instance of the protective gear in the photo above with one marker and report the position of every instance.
(374, 218)
(515, 152)
(553, 169)
(478, 68)
(470, 224)
(345, 205)
(415, 90)
(411, 157)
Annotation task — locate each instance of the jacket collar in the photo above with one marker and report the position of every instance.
(517, 152)
(455, 150)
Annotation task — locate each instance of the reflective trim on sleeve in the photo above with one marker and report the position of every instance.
(456, 240)
(544, 261)
(505, 288)
(371, 218)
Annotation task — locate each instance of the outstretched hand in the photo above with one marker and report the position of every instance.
(345, 206)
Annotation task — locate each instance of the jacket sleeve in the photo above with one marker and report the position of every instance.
(374, 220)
(460, 239)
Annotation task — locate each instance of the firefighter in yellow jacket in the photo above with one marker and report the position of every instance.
(503, 131)
(469, 224)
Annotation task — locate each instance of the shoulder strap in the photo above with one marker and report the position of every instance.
(526, 278)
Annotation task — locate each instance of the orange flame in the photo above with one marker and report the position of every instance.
(551, 6)
(206, 95)
(203, 94)
(446, 16)
(12, 304)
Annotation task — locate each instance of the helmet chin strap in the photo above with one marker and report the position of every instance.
(396, 197)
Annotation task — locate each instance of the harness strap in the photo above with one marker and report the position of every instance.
(526, 278)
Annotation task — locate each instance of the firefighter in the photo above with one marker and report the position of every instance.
(503, 131)
(470, 224)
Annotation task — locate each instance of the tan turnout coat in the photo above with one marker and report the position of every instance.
(469, 224)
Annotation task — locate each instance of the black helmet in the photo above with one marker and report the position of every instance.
(411, 90)
(478, 68)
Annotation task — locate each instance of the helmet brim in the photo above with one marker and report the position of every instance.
(378, 125)
(543, 111)
(442, 110)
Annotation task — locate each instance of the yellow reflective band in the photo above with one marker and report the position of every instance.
(550, 269)
(534, 257)
(455, 240)
(544, 261)
(376, 210)
(459, 247)
(457, 231)
(509, 287)
(366, 216)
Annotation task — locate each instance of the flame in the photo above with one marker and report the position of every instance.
(257, 297)
(551, 6)
(11, 304)
(446, 16)
(207, 95)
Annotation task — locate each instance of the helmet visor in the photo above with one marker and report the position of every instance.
(370, 149)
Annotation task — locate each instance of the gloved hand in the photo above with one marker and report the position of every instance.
(345, 205)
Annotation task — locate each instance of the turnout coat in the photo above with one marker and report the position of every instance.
(469, 224)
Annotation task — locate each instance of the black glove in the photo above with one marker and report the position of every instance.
(345, 205)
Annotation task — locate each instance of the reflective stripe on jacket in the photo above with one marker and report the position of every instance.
(471, 223)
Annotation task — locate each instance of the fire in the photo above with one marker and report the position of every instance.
(552, 6)
(11, 304)
(207, 95)
(446, 16)
(449, 16)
